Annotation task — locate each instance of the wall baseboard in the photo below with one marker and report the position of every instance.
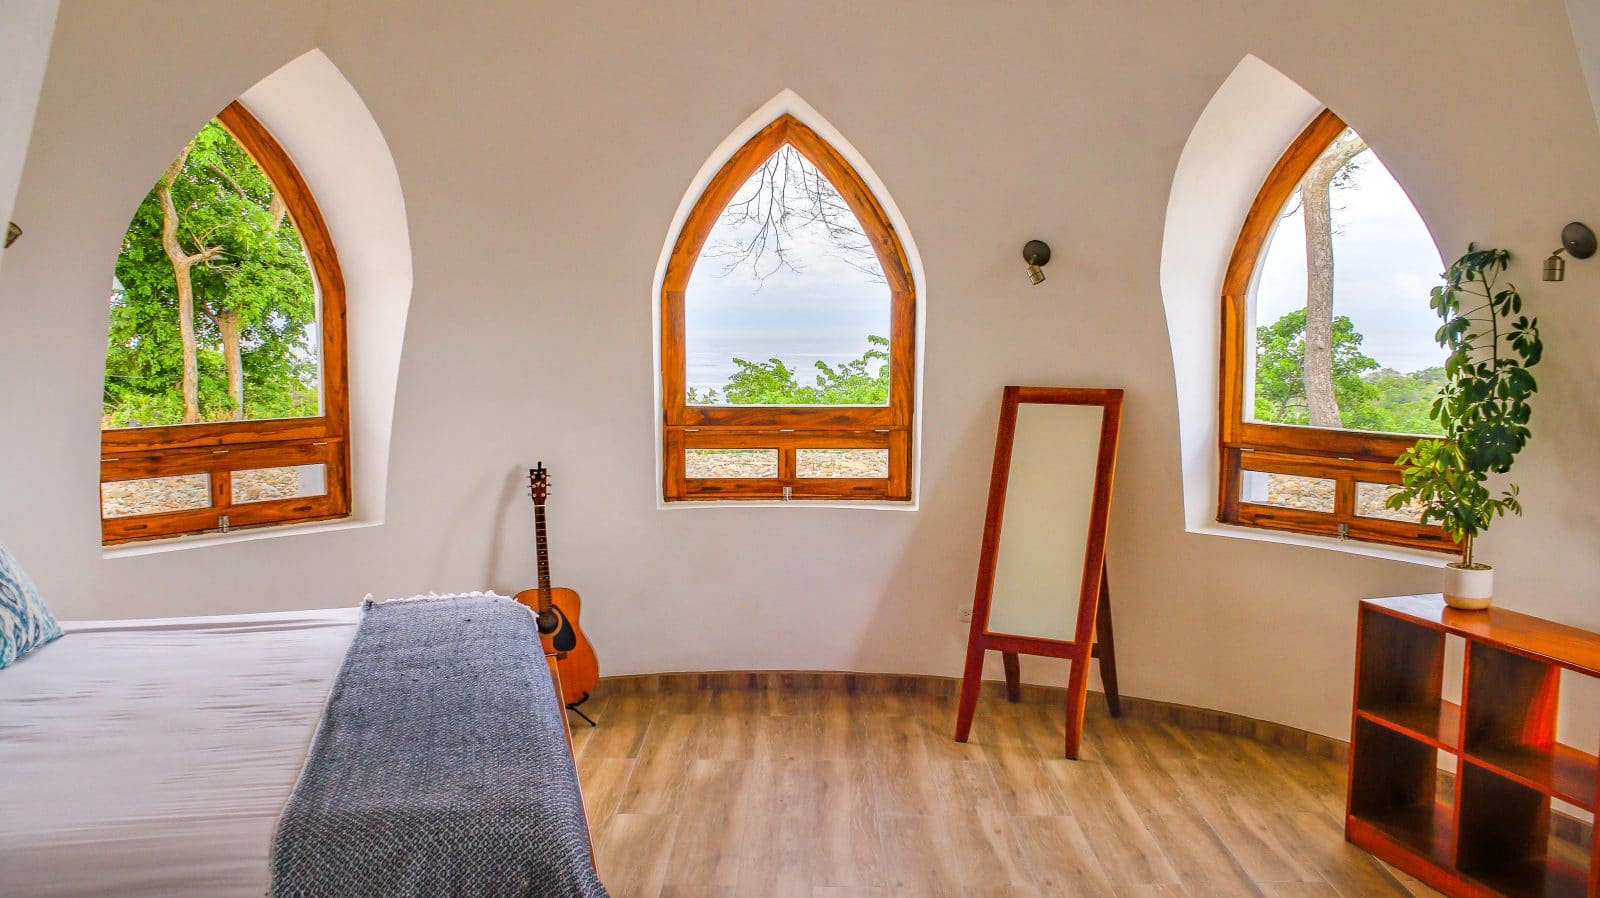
(1564, 826)
(924, 684)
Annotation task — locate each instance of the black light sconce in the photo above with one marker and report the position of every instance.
(12, 233)
(1578, 242)
(1036, 253)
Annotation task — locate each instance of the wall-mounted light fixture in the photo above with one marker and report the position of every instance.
(1578, 242)
(1036, 253)
(12, 233)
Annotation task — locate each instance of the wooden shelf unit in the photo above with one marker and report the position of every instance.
(1490, 835)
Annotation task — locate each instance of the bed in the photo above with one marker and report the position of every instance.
(154, 757)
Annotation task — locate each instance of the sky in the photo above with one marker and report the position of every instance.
(1384, 265)
(823, 311)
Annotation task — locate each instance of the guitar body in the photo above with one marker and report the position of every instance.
(580, 669)
(557, 611)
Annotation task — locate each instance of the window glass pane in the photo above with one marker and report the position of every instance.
(124, 498)
(841, 463)
(1370, 499)
(290, 482)
(1349, 259)
(787, 304)
(1286, 491)
(730, 463)
(254, 330)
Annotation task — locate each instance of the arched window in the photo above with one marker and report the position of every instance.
(1329, 365)
(787, 344)
(226, 400)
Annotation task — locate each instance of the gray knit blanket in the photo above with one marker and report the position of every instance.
(440, 768)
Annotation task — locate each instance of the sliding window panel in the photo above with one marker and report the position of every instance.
(775, 463)
(859, 464)
(1312, 494)
(282, 482)
(155, 495)
(244, 486)
(726, 464)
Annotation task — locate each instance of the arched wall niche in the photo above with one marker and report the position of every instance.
(326, 128)
(787, 102)
(25, 30)
(1585, 20)
(1237, 140)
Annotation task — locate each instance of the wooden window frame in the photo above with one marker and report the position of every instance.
(1346, 457)
(788, 428)
(220, 448)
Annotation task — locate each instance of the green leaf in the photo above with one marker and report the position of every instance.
(1483, 406)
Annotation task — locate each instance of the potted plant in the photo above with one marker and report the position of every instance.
(1483, 410)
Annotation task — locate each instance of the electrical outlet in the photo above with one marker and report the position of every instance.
(964, 614)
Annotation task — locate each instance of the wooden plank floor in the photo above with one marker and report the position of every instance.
(823, 794)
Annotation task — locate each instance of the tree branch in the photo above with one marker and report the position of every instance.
(790, 195)
(169, 211)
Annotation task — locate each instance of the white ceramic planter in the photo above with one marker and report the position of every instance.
(1468, 588)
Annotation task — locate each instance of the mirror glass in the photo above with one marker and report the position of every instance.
(1045, 530)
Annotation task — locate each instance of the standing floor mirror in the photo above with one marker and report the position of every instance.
(1042, 586)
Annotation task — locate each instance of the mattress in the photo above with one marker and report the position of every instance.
(153, 758)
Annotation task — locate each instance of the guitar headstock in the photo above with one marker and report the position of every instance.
(538, 483)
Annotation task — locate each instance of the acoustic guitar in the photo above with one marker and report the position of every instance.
(558, 609)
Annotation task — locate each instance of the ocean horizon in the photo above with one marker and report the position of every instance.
(710, 369)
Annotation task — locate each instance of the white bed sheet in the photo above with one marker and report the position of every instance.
(152, 758)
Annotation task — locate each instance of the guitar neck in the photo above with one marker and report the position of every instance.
(544, 557)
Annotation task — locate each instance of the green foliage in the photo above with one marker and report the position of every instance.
(861, 381)
(1404, 400)
(261, 274)
(1280, 367)
(768, 383)
(1484, 407)
(1369, 398)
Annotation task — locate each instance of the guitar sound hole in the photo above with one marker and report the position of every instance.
(549, 621)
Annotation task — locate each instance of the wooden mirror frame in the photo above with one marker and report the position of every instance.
(1093, 595)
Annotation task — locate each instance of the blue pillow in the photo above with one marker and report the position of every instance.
(25, 624)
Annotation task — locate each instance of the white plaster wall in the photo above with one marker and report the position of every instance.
(543, 151)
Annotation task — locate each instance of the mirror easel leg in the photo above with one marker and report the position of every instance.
(971, 681)
(1077, 692)
(1013, 667)
(1105, 648)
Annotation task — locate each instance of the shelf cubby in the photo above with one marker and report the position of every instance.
(1512, 699)
(1400, 669)
(1492, 837)
(1504, 838)
(1395, 788)
(1512, 725)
